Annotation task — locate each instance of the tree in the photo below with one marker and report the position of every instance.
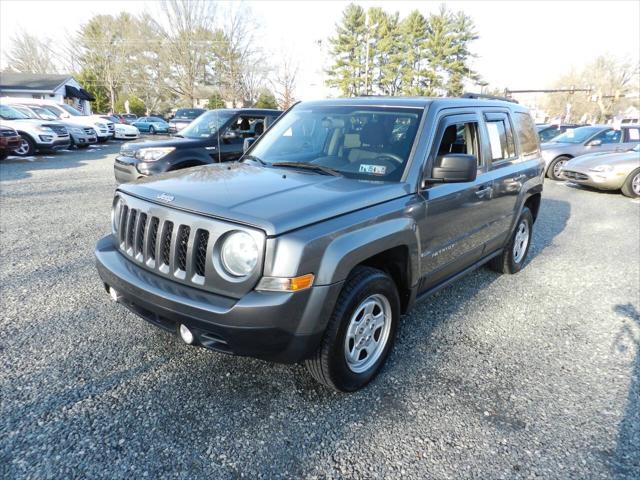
(348, 52)
(285, 83)
(266, 99)
(91, 84)
(216, 101)
(29, 54)
(136, 106)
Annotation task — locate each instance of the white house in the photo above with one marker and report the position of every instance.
(60, 88)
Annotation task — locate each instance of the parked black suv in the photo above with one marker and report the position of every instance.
(183, 117)
(341, 216)
(215, 136)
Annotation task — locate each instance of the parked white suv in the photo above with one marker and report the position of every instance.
(37, 135)
(104, 129)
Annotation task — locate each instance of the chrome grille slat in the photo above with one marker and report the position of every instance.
(152, 241)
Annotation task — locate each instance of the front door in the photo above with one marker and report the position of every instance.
(453, 231)
(233, 137)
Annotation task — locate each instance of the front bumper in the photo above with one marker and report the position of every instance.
(603, 181)
(128, 169)
(10, 143)
(59, 144)
(280, 327)
(126, 136)
(84, 139)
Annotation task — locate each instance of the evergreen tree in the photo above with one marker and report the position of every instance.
(348, 51)
(266, 99)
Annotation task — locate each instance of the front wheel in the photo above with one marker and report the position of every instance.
(555, 168)
(3, 154)
(360, 332)
(512, 258)
(27, 147)
(631, 187)
(152, 130)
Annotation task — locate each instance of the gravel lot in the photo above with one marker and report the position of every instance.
(536, 374)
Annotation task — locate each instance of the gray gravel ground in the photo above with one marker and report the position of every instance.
(532, 375)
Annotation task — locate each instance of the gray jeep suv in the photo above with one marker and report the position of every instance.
(333, 223)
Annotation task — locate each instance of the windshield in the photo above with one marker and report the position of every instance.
(155, 120)
(71, 110)
(188, 113)
(53, 111)
(43, 113)
(8, 113)
(25, 111)
(577, 135)
(368, 143)
(206, 124)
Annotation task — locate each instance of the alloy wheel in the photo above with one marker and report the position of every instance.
(521, 241)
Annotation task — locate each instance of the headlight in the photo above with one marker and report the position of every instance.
(602, 169)
(239, 254)
(116, 211)
(153, 154)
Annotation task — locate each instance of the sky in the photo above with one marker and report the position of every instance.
(522, 44)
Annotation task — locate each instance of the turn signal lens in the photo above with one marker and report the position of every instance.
(280, 284)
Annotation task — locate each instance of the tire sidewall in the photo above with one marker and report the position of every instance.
(627, 188)
(152, 131)
(512, 265)
(376, 283)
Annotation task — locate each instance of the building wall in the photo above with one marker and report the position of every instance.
(57, 96)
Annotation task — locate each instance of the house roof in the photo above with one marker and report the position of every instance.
(32, 81)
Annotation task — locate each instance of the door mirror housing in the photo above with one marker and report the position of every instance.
(594, 143)
(247, 143)
(454, 168)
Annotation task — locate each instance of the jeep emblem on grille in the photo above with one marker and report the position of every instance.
(165, 197)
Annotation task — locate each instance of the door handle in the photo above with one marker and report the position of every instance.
(484, 191)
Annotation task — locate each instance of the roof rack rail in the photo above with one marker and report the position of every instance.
(487, 97)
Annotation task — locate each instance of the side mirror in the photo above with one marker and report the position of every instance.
(454, 168)
(594, 143)
(247, 143)
(229, 135)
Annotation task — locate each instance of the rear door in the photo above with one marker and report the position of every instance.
(454, 229)
(630, 138)
(606, 141)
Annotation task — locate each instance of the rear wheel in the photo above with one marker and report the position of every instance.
(553, 172)
(512, 258)
(360, 332)
(3, 154)
(631, 187)
(152, 130)
(27, 147)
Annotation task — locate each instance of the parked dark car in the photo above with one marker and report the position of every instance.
(215, 136)
(547, 132)
(183, 117)
(336, 220)
(9, 141)
(128, 117)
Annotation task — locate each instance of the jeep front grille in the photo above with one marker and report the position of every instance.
(181, 246)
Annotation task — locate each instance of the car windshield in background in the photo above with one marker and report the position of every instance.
(368, 143)
(576, 135)
(188, 113)
(8, 113)
(25, 111)
(51, 110)
(155, 120)
(71, 110)
(44, 113)
(206, 124)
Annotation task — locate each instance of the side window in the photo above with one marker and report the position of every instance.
(632, 134)
(500, 137)
(526, 132)
(609, 136)
(460, 138)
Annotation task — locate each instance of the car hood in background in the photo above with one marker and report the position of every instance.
(166, 142)
(276, 200)
(594, 159)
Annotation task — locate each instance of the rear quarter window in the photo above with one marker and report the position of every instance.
(526, 133)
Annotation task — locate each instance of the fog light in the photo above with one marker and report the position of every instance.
(186, 334)
(113, 293)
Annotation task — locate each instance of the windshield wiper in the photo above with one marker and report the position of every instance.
(309, 166)
(255, 159)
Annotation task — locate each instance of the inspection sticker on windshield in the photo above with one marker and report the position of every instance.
(373, 169)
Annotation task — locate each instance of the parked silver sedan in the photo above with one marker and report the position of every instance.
(583, 140)
(607, 171)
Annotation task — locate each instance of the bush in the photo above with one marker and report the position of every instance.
(216, 101)
(136, 106)
(266, 99)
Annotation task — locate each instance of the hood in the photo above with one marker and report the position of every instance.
(275, 200)
(26, 121)
(181, 120)
(86, 121)
(604, 158)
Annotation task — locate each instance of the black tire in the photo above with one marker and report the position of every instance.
(329, 365)
(627, 188)
(554, 166)
(3, 154)
(27, 147)
(152, 131)
(82, 145)
(506, 261)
